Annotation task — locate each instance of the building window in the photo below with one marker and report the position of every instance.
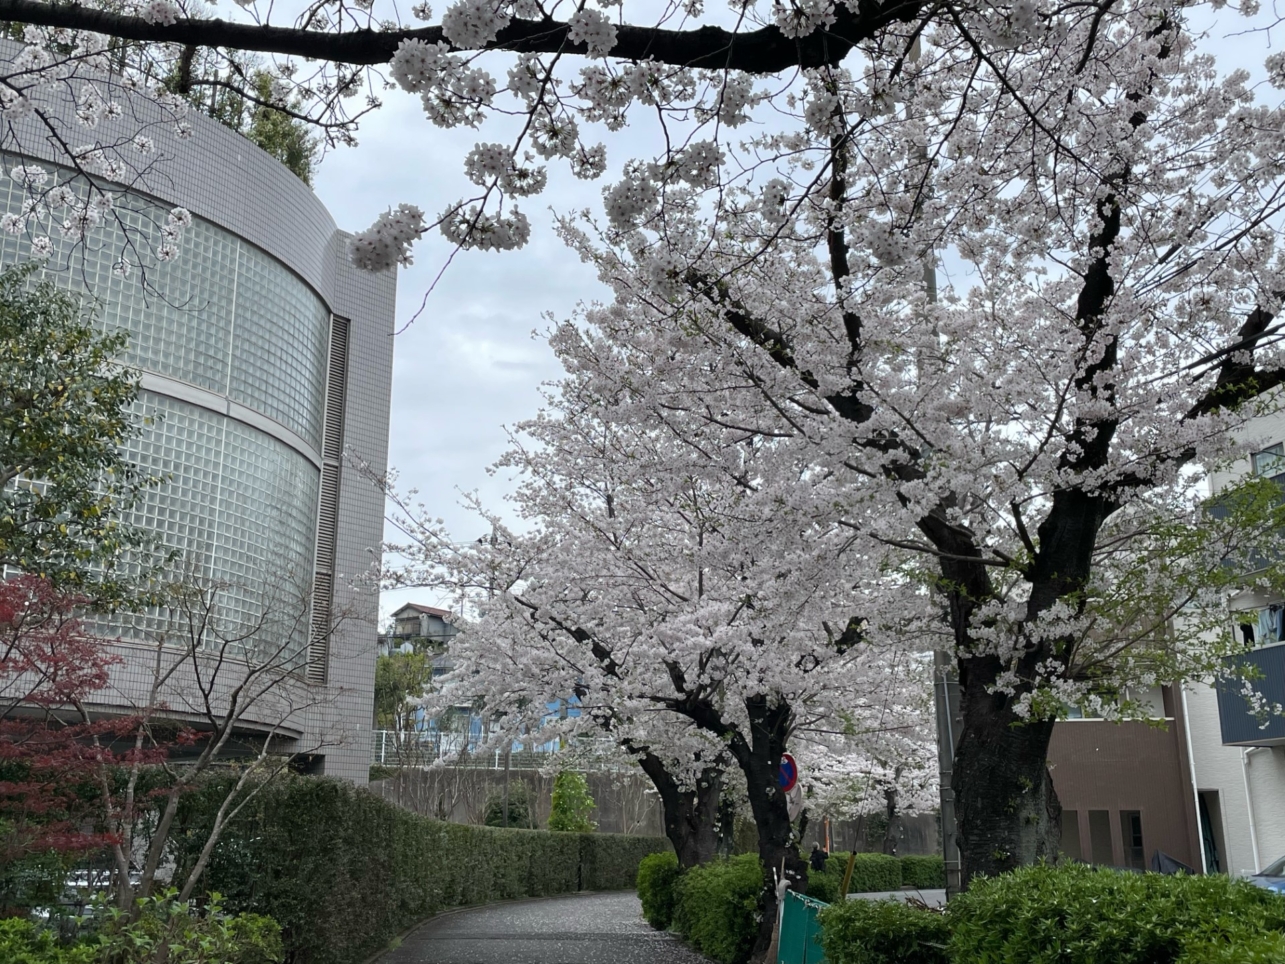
(1131, 835)
(1270, 461)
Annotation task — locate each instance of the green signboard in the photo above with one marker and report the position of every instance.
(800, 941)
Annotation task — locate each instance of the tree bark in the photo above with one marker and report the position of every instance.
(691, 815)
(1008, 813)
(892, 832)
(778, 848)
(765, 50)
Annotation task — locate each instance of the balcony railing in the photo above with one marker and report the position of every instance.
(390, 748)
(1242, 724)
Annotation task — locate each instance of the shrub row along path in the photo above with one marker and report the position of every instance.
(582, 929)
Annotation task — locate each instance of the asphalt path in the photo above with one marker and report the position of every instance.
(583, 929)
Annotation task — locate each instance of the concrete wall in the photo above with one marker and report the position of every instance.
(1249, 784)
(625, 801)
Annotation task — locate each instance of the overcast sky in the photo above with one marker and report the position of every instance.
(469, 365)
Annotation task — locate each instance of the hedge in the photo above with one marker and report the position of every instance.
(876, 872)
(1071, 914)
(717, 907)
(657, 883)
(923, 873)
(883, 932)
(343, 871)
(1074, 914)
(870, 872)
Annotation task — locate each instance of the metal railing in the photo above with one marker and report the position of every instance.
(391, 748)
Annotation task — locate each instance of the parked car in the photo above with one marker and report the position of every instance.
(1271, 877)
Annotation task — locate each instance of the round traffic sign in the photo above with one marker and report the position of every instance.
(788, 774)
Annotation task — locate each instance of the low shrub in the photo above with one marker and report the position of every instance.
(22, 942)
(657, 881)
(571, 804)
(824, 886)
(925, 873)
(717, 910)
(870, 872)
(518, 813)
(1075, 914)
(164, 930)
(883, 932)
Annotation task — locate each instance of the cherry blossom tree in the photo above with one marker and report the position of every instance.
(686, 586)
(1111, 233)
(1103, 203)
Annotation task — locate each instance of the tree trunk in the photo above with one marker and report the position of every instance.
(1008, 813)
(691, 816)
(778, 848)
(891, 833)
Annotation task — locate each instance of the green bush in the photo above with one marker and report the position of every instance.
(164, 929)
(883, 932)
(344, 871)
(925, 873)
(571, 804)
(610, 861)
(21, 942)
(824, 886)
(657, 879)
(870, 872)
(1075, 914)
(717, 910)
(519, 809)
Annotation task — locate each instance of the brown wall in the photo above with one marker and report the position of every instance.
(1114, 767)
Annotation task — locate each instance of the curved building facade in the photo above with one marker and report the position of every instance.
(263, 355)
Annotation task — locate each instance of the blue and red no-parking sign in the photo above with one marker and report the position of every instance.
(788, 774)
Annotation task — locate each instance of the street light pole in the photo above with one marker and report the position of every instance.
(949, 722)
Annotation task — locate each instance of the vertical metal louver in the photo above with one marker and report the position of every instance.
(328, 506)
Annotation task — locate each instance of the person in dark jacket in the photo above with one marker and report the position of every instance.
(818, 858)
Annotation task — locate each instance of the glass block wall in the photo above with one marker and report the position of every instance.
(237, 503)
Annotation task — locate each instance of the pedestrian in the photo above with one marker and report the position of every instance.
(818, 858)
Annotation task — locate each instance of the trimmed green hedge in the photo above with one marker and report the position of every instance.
(1075, 914)
(870, 872)
(343, 871)
(876, 872)
(924, 873)
(717, 907)
(657, 882)
(1068, 915)
(883, 932)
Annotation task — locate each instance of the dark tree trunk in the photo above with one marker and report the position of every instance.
(892, 833)
(1008, 814)
(778, 847)
(691, 815)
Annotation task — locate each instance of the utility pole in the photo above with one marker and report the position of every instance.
(949, 723)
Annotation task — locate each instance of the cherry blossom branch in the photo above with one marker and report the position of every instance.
(763, 51)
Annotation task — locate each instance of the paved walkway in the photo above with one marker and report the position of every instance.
(933, 898)
(588, 929)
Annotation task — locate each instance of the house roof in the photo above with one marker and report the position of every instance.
(430, 610)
